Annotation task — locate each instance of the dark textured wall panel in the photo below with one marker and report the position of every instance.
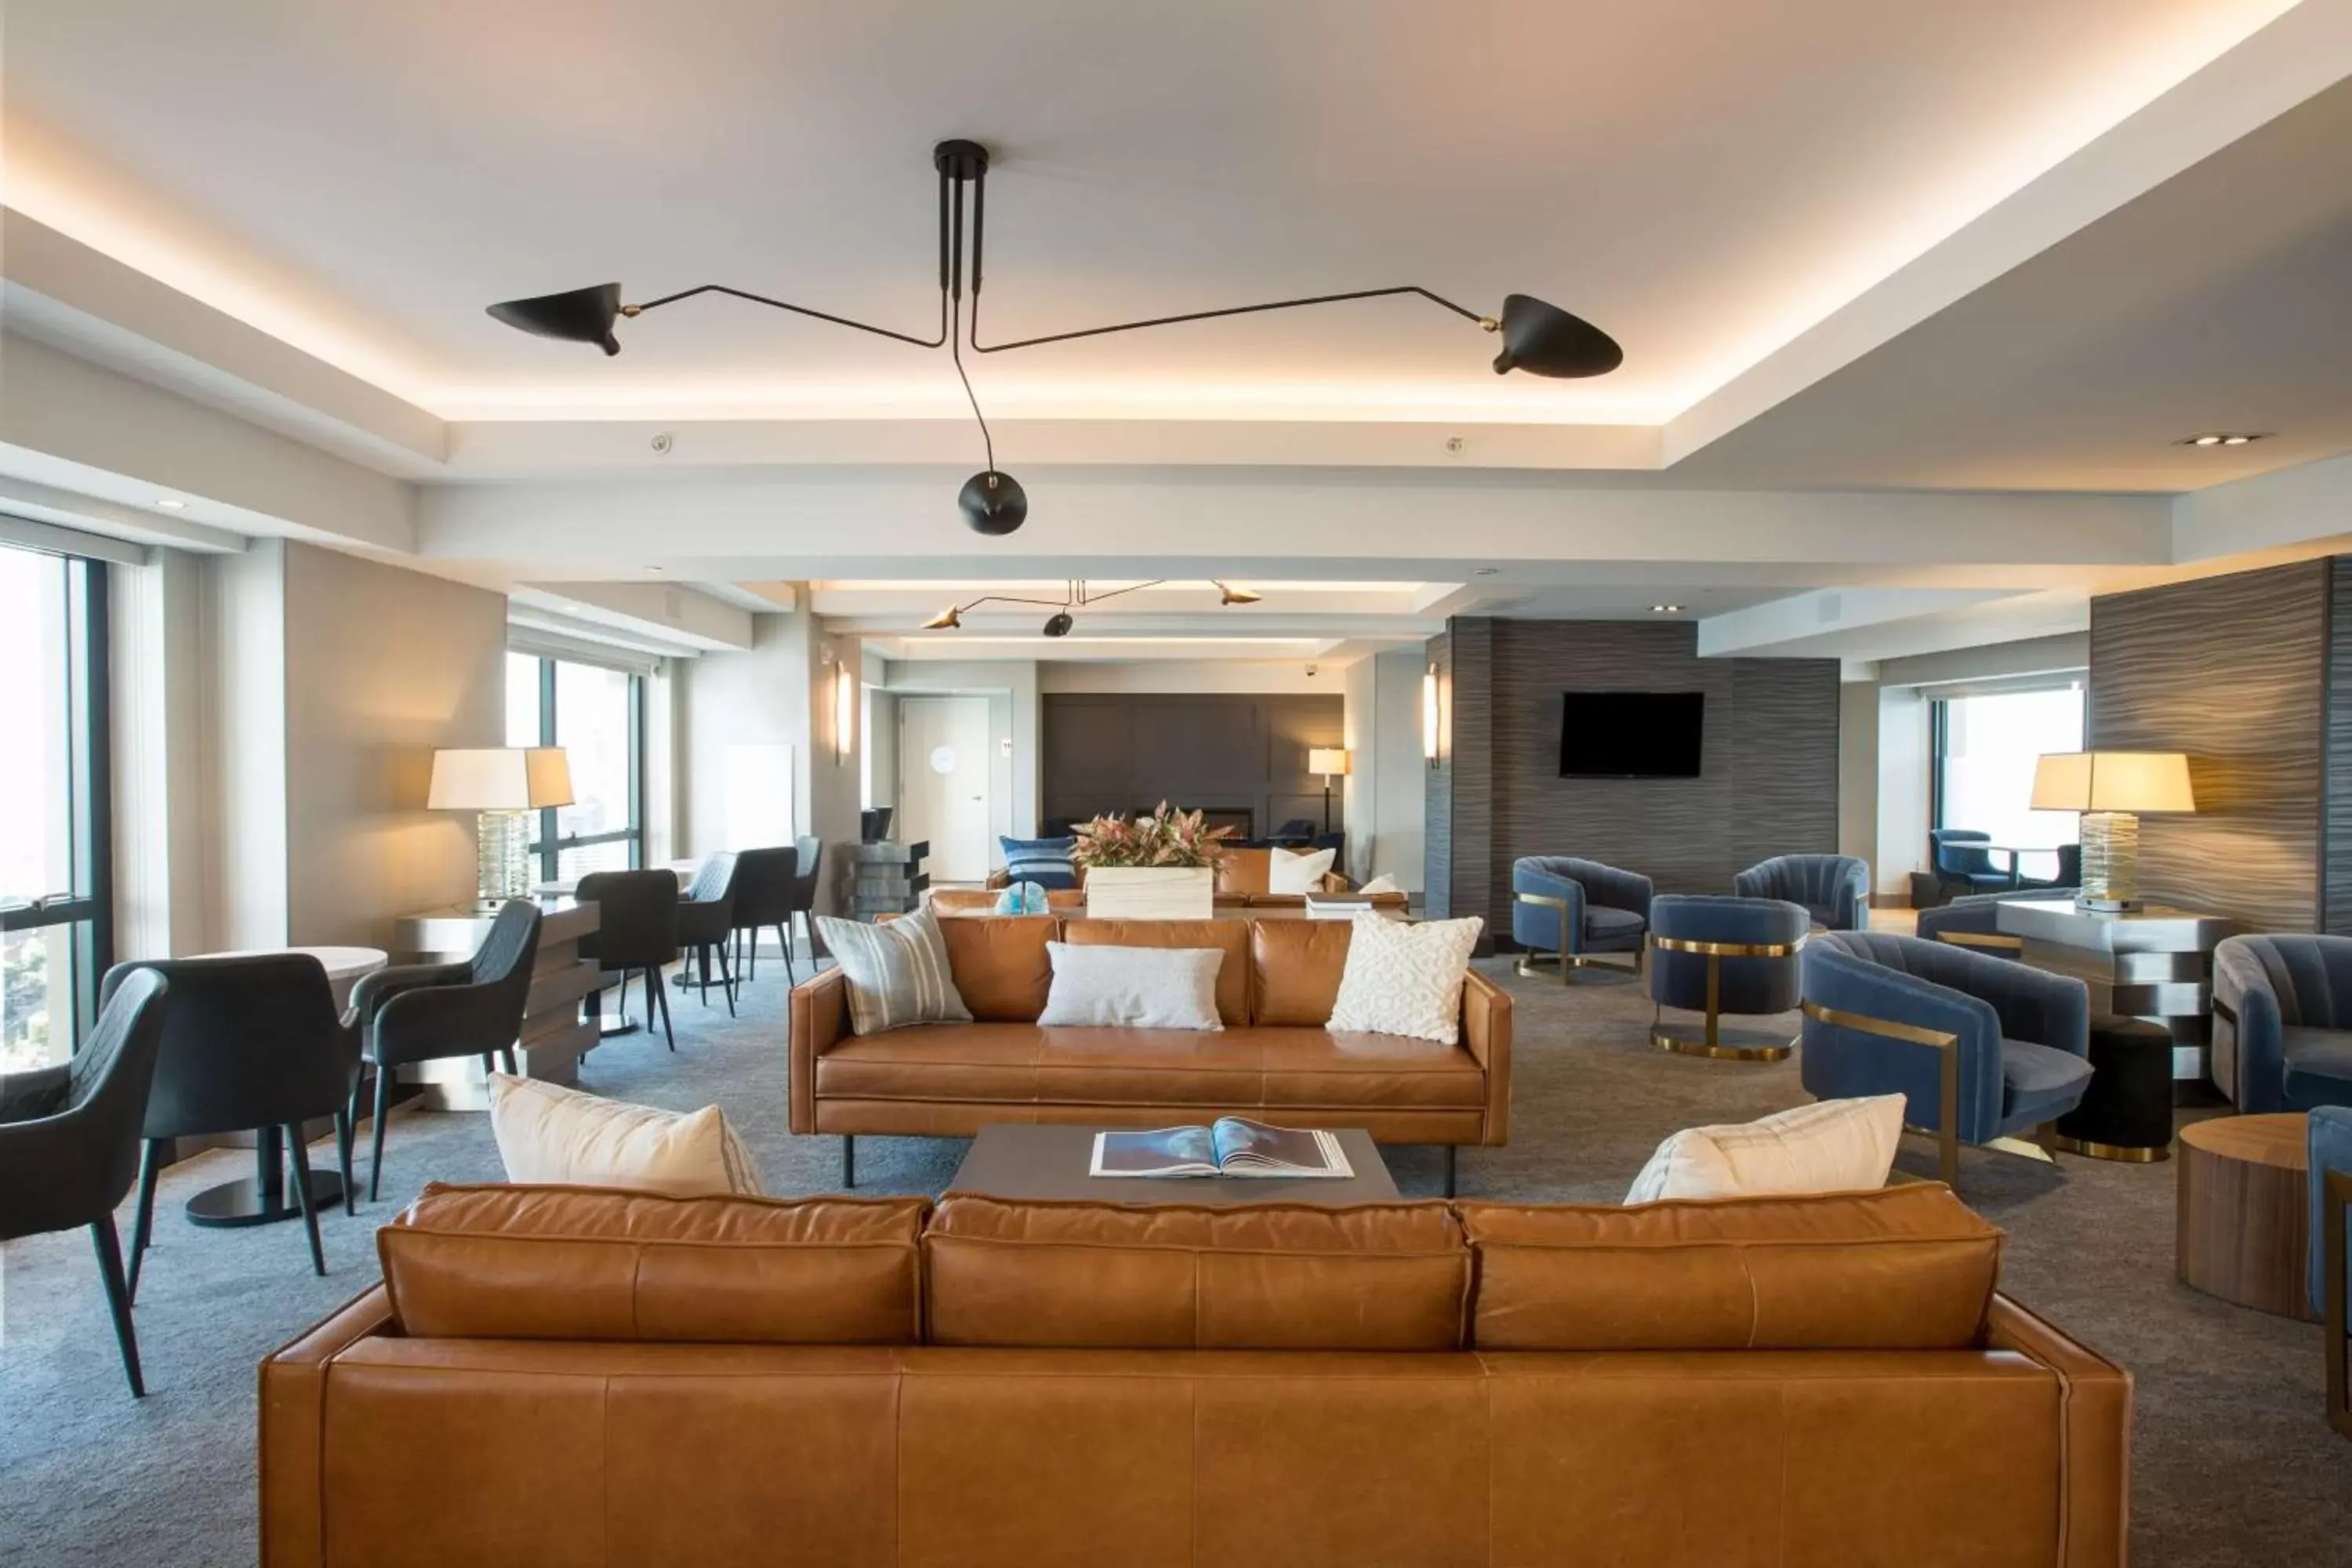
(2230, 670)
(1768, 782)
(2335, 821)
(1119, 752)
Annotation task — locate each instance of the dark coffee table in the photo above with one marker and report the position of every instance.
(1019, 1161)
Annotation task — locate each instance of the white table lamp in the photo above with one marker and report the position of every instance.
(2109, 788)
(1331, 761)
(505, 784)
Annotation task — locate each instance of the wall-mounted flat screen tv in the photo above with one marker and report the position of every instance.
(1630, 734)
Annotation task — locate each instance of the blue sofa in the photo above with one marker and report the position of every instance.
(2283, 1011)
(1715, 955)
(1574, 909)
(1983, 1047)
(1833, 889)
(1975, 920)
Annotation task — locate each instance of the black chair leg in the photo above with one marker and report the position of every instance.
(507, 1057)
(151, 1166)
(1450, 1152)
(784, 941)
(727, 981)
(109, 1248)
(658, 994)
(343, 1161)
(302, 1154)
(848, 1161)
(375, 1149)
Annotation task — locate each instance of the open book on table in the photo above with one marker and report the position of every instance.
(1230, 1146)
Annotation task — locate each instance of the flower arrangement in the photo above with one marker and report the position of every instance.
(1174, 838)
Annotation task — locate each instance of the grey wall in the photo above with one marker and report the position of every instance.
(1768, 770)
(1125, 752)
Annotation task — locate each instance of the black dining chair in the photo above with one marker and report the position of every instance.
(636, 929)
(430, 1012)
(808, 866)
(70, 1140)
(705, 920)
(250, 1045)
(763, 898)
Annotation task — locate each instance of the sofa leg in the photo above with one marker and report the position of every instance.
(1451, 1150)
(848, 1161)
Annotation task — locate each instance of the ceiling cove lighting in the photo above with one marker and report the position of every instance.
(1666, 609)
(1075, 596)
(1538, 338)
(2223, 439)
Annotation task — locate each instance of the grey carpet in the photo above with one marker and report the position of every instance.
(2232, 1462)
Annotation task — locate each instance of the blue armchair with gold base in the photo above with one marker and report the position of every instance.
(1564, 910)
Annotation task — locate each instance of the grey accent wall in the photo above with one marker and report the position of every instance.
(1768, 766)
(1124, 751)
(2234, 672)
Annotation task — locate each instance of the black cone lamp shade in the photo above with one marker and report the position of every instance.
(993, 502)
(578, 316)
(1058, 623)
(1544, 340)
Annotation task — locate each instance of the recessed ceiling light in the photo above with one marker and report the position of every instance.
(2221, 438)
(1664, 609)
(169, 504)
(1485, 572)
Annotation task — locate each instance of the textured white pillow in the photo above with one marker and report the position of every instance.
(1287, 872)
(1383, 883)
(1405, 979)
(1132, 987)
(1831, 1146)
(548, 1134)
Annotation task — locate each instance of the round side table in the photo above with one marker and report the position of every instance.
(2244, 1214)
(2126, 1112)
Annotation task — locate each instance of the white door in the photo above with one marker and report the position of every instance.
(943, 774)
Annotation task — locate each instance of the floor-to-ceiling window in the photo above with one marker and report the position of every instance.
(56, 875)
(598, 716)
(1986, 747)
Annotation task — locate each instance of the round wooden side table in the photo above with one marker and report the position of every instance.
(2244, 1220)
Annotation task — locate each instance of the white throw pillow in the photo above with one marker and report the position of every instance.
(1288, 872)
(1405, 979)
(553, 1135)
(1132, 987)
(1831, 1146)
(1383, 883)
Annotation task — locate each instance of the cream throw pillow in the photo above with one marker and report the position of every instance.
(1831, 1146)
(1405, 979)
(1288, 872)
(1383, 883)
(1132, 987)
(556, 1136)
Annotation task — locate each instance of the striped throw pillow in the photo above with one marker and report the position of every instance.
(897, 972)
(1044, 861)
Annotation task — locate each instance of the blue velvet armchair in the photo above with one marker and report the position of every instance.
(2330, 1148)
(1564, 910)
(1835, 889)
(1975, 920)
(1959, 863)
(1715, 955)
(1983, 1047)
(2283, 1011)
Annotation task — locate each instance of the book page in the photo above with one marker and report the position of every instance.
(1164, 1151)
(1290, 1149)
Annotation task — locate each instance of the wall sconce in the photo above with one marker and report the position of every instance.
(1429, 714)
(844, 710)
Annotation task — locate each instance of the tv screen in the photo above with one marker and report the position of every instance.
(1630, 734)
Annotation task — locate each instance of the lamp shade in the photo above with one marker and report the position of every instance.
(574, 316)
(1329, 760)
(500, 778)
(1544, 340)
(2112, 781)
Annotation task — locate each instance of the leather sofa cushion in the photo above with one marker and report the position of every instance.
(999, 965)
(585, 1263)
(1018, 1064)
(1231, 938)
(1242, 872)
(1296, 967)
(1907, 1267)
(1392, 1276)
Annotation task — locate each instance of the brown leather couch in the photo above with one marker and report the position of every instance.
(1273, 1057)
(1245, 880)
(574, 1377)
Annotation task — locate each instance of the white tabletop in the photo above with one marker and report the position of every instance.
(340, 963)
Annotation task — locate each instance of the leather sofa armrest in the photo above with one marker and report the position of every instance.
(293, 1430)
(999, 878)
(820, 1020)
(2095, 1406)
(1486, 1036)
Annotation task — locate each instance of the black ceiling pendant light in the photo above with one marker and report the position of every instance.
(1538, 338)
(1075, 596)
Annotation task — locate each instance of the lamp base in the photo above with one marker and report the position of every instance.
(2110, 862)
(502, 856)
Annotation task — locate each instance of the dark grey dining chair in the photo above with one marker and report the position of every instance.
(706, 922)
(765, 880)
(636, 929)
(70, 1140)
(808, 857)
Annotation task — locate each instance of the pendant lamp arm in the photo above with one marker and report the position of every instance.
(1488, 322)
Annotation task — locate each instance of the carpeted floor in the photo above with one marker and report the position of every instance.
(2232, 1461)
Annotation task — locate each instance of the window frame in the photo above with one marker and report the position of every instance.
(88, 903)
(549, 846)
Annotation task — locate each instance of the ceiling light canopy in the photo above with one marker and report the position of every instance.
(1538, 338)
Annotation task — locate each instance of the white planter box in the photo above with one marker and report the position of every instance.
(1151, 893)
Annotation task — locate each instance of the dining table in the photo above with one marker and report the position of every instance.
(2017, 854)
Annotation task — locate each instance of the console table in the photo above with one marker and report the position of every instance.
(2153, 964)
(552, 1035)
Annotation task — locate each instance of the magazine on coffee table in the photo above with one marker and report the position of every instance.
(1230, 1146)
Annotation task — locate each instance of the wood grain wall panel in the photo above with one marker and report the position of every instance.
(1767, 776)
(2230, 671)
(1124, 751)
(2336, 819)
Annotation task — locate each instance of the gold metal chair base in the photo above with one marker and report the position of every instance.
(1546, 965)
(2127, 1153)
(1727, 1046)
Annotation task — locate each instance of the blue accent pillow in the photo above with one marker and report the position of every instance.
(1044, 861)
(1021, 899)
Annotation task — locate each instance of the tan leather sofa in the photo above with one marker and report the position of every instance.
(1274, 1057)
(1245, 880)
(566, 1376)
